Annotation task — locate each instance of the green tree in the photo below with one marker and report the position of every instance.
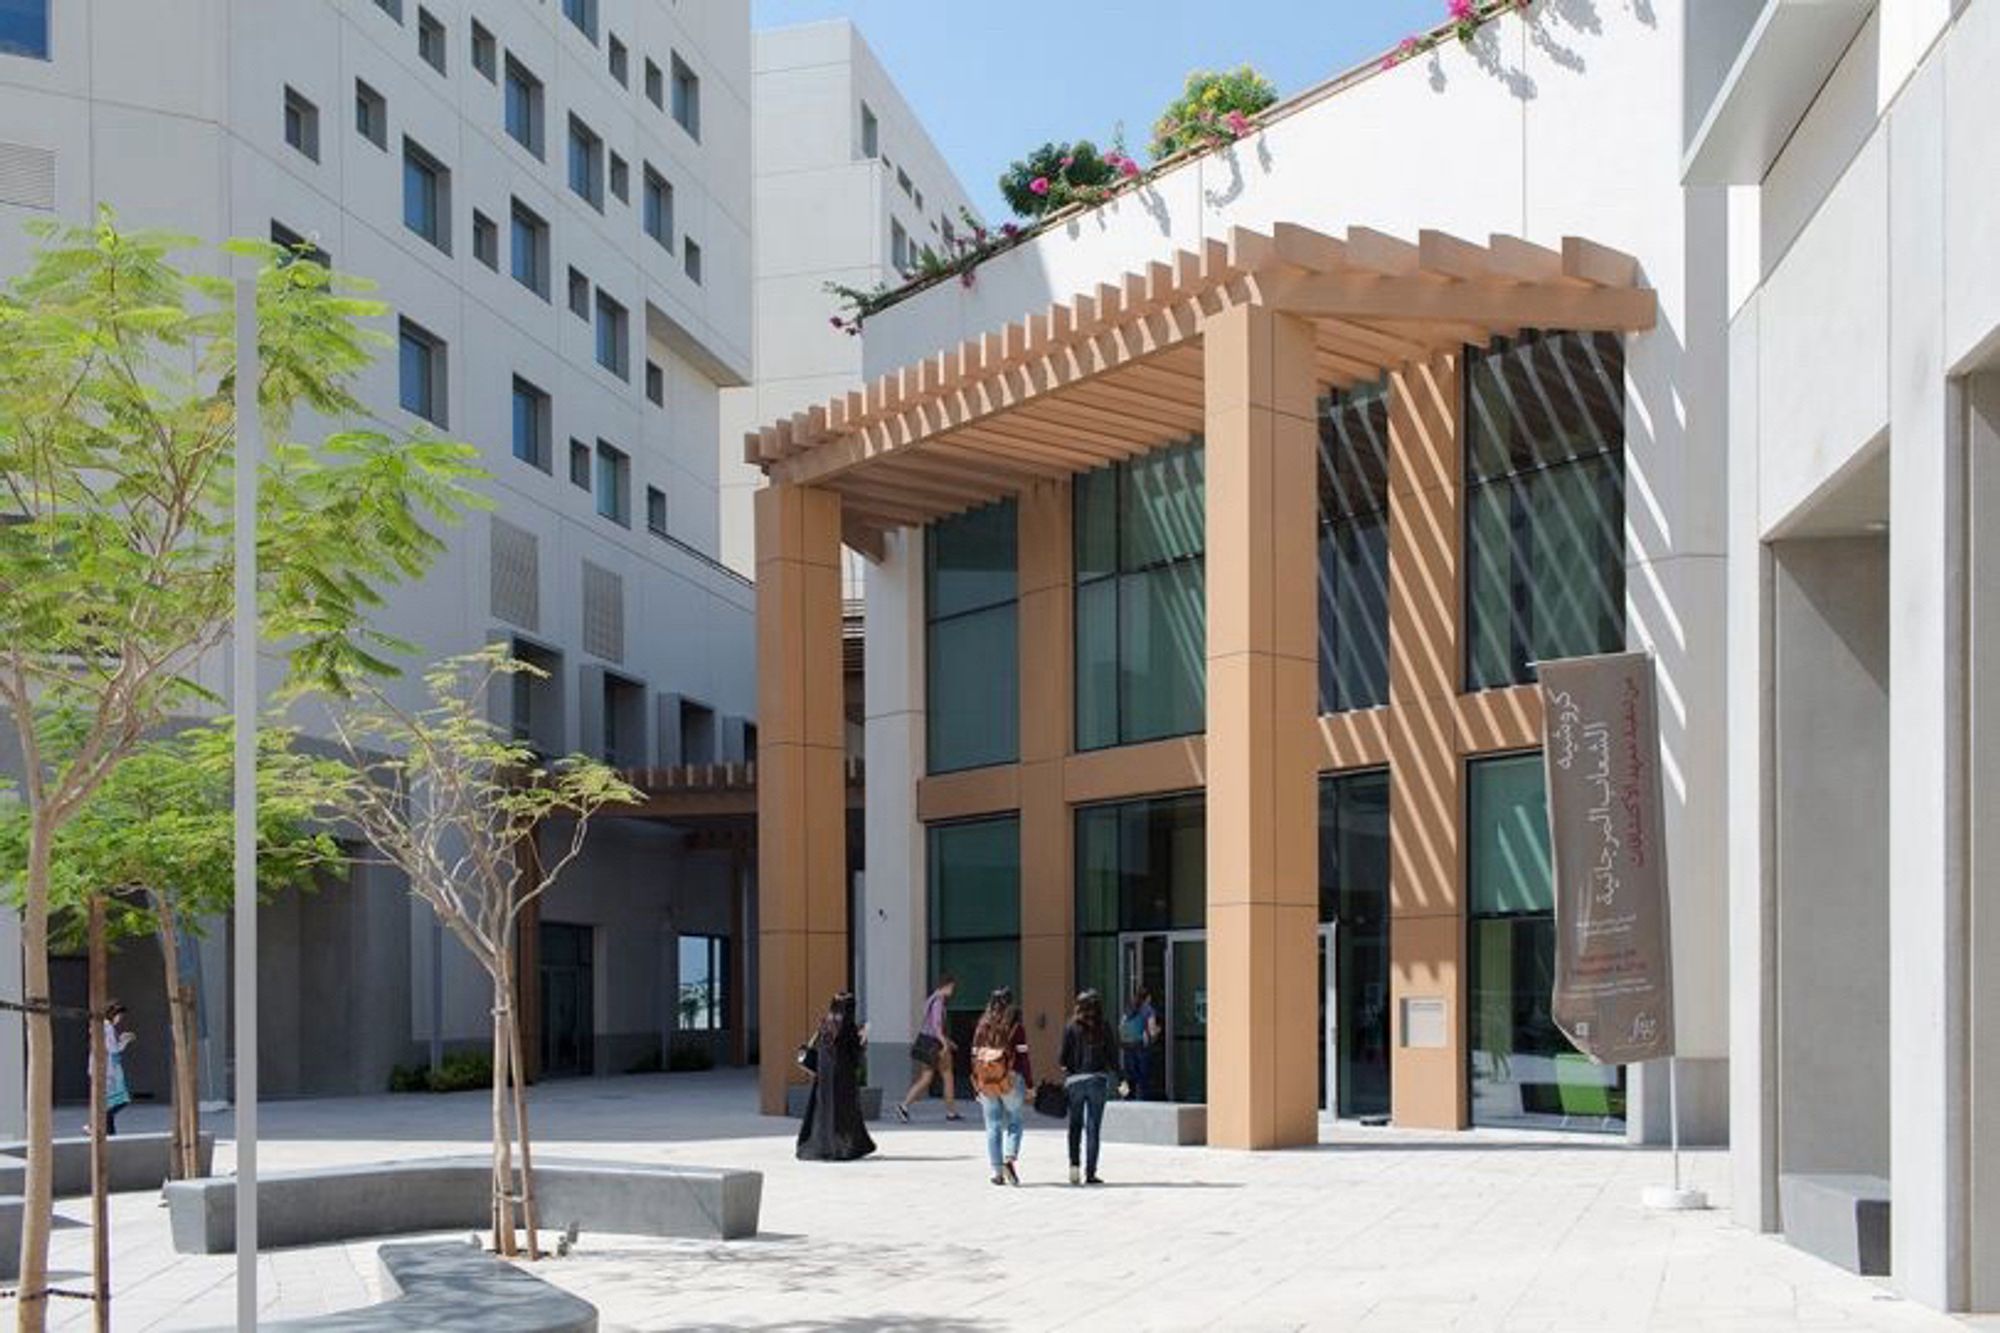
(445, 797)
(156, 841)
(1212, 108)
(1057, 175)
(117, 451)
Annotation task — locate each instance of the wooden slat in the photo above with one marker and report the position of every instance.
(1523, 261)
(1379, 252)
(1450, 257)
(1487, 305)
(1591, 262)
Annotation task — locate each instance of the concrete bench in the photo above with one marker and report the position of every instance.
(1161, 1124)
(450, 1194)
(795, 1102)
(136, 1162)
(1843, 1219)
(10, 1237)
(458, 1287)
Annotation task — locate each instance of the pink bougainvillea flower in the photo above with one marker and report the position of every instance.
(1009, 230)
(1127, 167)
(1239, 124)
(835, 321)
(1461, 10)
(965, 279)
(1039, 185)
(1068, 162)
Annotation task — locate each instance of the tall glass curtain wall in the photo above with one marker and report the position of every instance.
(1544, 503)
(1354, 549)
(1141, 916)
(1354, 899)
(1524, 1071)
(972, 637)
(1141, 621)
(975, 915)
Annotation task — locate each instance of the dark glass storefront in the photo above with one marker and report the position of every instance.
(1354, 942)
(975, 915)
(1141, 921)
(1523, 1070)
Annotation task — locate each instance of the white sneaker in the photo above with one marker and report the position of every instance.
(1076, 1175)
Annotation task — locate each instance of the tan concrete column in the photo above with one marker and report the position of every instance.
(1048, 860)
(1263, 863)
(801, 776)
(1426, 805)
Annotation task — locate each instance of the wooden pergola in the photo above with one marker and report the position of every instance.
(1234, 342)
(1119, 371)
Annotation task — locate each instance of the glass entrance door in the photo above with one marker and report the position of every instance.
(1171, 967)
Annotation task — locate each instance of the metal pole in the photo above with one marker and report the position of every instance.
(1674, 1114)
(243, 683)
(437, 993)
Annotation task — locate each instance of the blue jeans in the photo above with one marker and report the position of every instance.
(1139, 1070)
(1004, 1114)
(1087, 1095)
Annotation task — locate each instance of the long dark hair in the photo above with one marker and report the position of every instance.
(839, 1021)
(996, 1025)
(1088, 1017)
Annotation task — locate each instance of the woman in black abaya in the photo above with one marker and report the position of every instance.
(833, 1130)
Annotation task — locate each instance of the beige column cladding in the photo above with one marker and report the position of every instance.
(1263, 864)
(1048, 898)
(801, 780)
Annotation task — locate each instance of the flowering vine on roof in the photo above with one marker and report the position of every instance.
(1213, 111)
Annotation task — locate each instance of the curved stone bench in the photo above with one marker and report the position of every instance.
(449, 1194)
(458, 1287)
(134, 1161)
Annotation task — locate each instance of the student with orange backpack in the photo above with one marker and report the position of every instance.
(1001, 1075)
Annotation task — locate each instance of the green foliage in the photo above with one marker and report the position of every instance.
(690, 1060)
(158, 835)
(1212, 108)
(1055, 176)
(461, 1071)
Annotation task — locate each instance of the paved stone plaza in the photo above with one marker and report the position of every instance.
(1376, 1230)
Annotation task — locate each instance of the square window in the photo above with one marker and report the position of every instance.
(656, 384)
(24, 29)
(529, 251)
(656, 85)
(621, 180)
(579, 295)
(656, 208)
(485, 52)
(426, 195)
(619, 61)
(903, 180)
(421, 372)
(656, 511)
(586, 164)
(523, 97)
(691, 260)
(919, 197)
(899, 246)
(579, 465)
(301, 123)
(871, 133)
(687, 98)
(531, 424)
(371, 115)
(430, 39)
(393, 8)
(297, 247)
(582, 13)
(485, 240)
(612, 337)
(614, 485)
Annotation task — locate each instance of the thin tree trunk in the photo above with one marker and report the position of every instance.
(503, 1158)
(187, 1073)
(516, 1071)
(100, 1088)
(186, 1126)
(38, 1198)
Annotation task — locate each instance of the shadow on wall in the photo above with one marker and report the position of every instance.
(1556, 30)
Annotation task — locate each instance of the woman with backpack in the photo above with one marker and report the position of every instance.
(1001, 1075)
(1089, 1064)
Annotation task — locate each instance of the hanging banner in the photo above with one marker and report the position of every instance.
(1614, 988)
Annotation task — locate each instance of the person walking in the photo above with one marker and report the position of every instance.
(1089, 1060)
(931, 1053)
(833, 1129)
(1138, 1034)
(1001, 1075)
(117, 1096)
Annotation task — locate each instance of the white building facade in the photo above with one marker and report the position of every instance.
(554, 199)
(1856, 143)
(849, 189)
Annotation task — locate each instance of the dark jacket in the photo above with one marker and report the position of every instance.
(1088, 1051)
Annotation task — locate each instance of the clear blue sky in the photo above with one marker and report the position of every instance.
(994, 78)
